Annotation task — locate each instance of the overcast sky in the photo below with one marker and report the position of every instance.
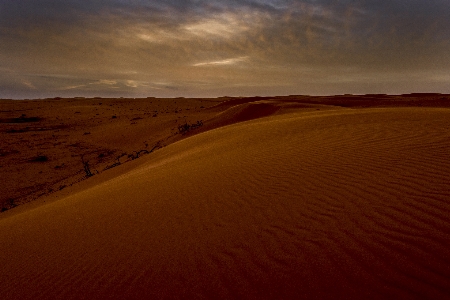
(140, 48)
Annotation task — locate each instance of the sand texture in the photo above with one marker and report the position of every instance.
(336, 203)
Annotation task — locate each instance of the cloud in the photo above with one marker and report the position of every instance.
(224, 25)
(28, 84)
(223, 62)
(97, 45)
(72, 87)
(106, 82)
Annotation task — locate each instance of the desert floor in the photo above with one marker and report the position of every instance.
(282, 197)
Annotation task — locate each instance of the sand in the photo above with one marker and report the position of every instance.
(290, 202)
(61, 131)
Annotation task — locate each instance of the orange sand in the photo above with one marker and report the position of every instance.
(300, 204)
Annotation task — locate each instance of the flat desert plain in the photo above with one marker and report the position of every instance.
(298, 197)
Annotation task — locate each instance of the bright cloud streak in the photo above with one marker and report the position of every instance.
(224, 62)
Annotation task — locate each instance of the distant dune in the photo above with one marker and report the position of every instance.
(291, 200)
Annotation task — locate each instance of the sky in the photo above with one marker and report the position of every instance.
(196, 48)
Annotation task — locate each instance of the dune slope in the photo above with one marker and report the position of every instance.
(335, 204)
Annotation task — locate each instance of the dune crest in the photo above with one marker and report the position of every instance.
(334, 204)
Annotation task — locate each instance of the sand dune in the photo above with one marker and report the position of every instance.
(344, 203)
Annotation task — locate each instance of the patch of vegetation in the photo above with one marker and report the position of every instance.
(5, 153)
(10, 203)
(185, 128)
(39, 158)
(117, 163)
(86, 167)
(22, 119)
(35, 128)
(136, 154)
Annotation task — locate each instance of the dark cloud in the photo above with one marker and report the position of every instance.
(209, 47)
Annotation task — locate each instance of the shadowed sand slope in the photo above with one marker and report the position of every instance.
(334, 204)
